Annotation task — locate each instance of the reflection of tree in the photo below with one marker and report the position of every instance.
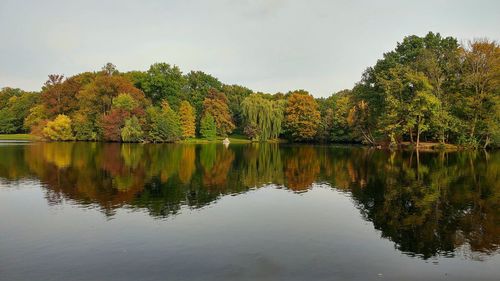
(427, 204)
(262, 164)
(216, 168)
(431, 205)
(301, 167)
(188, 163)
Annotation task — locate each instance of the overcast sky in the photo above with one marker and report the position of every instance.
(266, 45)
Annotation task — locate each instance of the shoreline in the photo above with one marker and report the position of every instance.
(239, 139)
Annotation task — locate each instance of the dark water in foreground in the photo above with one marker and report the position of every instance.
(87, 211)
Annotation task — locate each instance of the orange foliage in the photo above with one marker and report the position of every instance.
(302, 116)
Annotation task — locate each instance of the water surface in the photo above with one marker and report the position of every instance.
(94, 211)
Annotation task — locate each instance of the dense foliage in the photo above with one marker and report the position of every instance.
(428, 89)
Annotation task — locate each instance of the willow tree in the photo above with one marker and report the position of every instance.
(263, 117)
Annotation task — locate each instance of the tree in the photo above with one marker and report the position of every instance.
(481, 93)
(301, 116)
(59, 96)
(164, 82)
(215, 104)
(97, 97)
(112, 123)
(85, 129)
(164, 124)
(235, 95)
(15, 106)
(7, 120)
(132, 131)
(188, 119)
(59, 129)
(37, 114)
(262, 117)
(198, 85)
(208, 128)
(340, 129)
(410, 103)
(359, 120)
(109, 69)
(125, 102)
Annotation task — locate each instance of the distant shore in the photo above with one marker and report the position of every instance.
(240, 139)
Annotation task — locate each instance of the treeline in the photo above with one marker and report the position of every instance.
(428, 88)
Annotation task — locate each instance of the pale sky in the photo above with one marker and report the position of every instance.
(266, 45)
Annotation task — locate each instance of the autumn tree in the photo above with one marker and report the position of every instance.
(481, 93)
(215, 104)
(124, 106)
(59, 129)
(187, 119)
(97, 97)
(301, 116)
(59, 96)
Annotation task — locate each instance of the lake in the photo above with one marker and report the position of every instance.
(108, 211)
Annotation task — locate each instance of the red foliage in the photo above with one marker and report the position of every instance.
(112, 123)
(60, 97)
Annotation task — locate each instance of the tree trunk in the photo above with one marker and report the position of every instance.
(411, 135)
(487, 142)
(418, 132)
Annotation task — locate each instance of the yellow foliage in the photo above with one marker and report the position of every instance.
(59, 129)
(188, 119)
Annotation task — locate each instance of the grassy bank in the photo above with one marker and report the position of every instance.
(16, 137)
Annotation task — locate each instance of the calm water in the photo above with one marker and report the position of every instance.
(88, 211)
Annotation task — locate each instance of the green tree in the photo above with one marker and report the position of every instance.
(340, 131)
(410, 103)
(125, 102)
(263, 117)
(15, 106)
(208, 128)
(132, 131)
(198, 85)
(164, 82)
(235, 95)
(37, 114)
(164, 124)
(481, 92)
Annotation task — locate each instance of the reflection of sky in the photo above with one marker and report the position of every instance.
(322, 46)
(265, 233)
